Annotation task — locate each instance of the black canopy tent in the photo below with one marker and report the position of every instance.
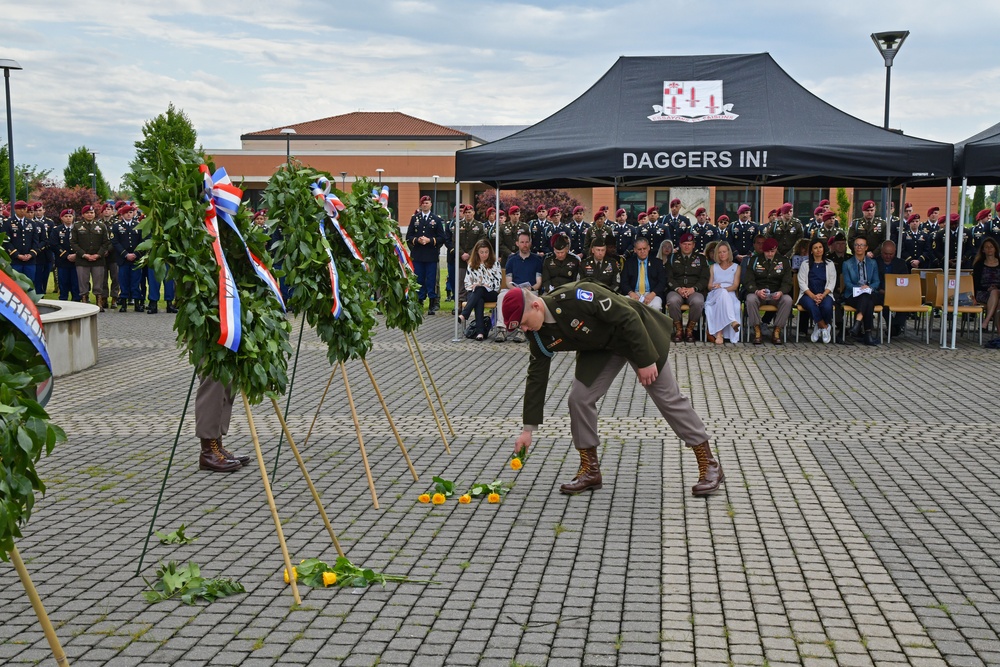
(978, 157)
(722, 119)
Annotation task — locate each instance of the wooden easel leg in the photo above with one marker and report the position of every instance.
(430, 403)
(427, 367)
(36, 603)
(392, 424)
(361, 441)
(270, 500)
(319, 407)
(305, 473)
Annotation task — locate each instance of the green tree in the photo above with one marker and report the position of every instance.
(27, 177)
(978, 200)
(77, 174)
(171, 128)
(843, 208)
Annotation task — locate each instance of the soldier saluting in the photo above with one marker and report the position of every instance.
(607, 331)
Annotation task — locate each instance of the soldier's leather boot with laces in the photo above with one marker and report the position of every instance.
(758, 337)
(244, 460)
(776, 335)
(151, 309)
(678, 332)
(213, 459)
(710, 474)
(588, 477)
(689, 332)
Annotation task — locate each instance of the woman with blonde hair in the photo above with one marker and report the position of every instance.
(482, 284)
(722, 306)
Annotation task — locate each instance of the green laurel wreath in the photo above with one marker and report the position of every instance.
(170, 194)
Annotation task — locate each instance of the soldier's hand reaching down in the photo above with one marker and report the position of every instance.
(523, 441)
(647, 376)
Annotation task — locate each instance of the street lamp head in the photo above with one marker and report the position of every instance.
(287, 130)
(7, 64)
(889, 43)
(379, 170)
(435, 178)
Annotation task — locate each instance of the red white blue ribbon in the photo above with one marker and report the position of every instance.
(18, 308)
(382, 197)
(229, 298)
(404, 257)
(337, 309)
(227, 198)
(333, 206)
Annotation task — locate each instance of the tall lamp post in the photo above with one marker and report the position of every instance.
(888, 44)
(93, 169)
(434, 202)
(288, 132)
(7, 66)
(343, 181)
(93, 182)
(379, 171)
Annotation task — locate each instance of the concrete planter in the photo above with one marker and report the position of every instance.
(70, 333)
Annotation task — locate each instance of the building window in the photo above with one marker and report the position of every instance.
(728, 200)
(443, 203)
(861, 195)
(661, 200)
(805, 200)
(634, 203)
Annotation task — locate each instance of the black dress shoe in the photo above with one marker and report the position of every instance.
(858, 329)
(870, 339)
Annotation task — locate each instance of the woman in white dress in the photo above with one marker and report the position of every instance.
(722, 307)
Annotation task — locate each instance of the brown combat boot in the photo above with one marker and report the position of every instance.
(213, 459)
(710, 474)
(758, 337)
(678, 332)
(588, 477)
(689, 332)
(776, 336)
(244, 460)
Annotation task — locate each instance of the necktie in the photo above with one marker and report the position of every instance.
(642, 286)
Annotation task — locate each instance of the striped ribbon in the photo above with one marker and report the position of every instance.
(381, 197)
(229, 298)
(337, 309)
(333, 206)
(18, 308)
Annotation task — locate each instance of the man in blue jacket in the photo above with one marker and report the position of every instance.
(861, 282)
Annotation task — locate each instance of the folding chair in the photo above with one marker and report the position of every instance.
(902, 295)
(964, 285)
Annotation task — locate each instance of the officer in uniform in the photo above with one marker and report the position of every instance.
(578, 229)
(703, 230)
(607, 331)
(815, 222)
(600, 230)
(678, 223)
(769, 284)
(541, 232)
(508, 229)
(65, 262)
(659, 230)
(938, 243)
(22, 242)
(868, 227)
(560, 227)
(986, 225)
(109, 218)
(930, 225)
(722, 224)
(126, 240)
(597, 267)
(425, 236)
(642, 227)
(624, 234)
(916, 248)
(91, 243)
(741, 233)
(471, 232)
(560, 267)
(687, 282)
(43, 269)
(786, 230)
(827, 228)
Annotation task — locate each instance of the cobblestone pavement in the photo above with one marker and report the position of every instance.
(857, 526)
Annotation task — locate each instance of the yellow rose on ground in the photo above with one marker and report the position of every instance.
(493, 497)
(438, 499)
(465, 500)
(295, 573)
(424, 497)
(515, 464)
(329, 578)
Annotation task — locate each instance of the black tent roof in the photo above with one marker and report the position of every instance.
(978, 157)
(653, 120)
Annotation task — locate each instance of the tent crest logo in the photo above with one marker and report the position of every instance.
(692, 102)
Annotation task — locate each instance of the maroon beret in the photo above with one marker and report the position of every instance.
(87, 209)
(604, 208)
(620, 211)
(818, 210)
(824, 202)
(675, 202)
(424, 198)
(743, 209)
(982, 215)
(515, 209)
(490, 210)
(686, 236)
(723, 217)
(578, 209)
(700, 210)
(907, 205)
(119, 204)
(641, 216)
(828, 215)
(512, 308)
(868, 205)
(769, 245)
(651, 210)
(933, 209)
(559, 241)
(20, 203)
(912, 218)
(542, 208)
(954, 218)
(599, 214)
(66, 211)
(127, 208)
(772, 212)
(555, 211)
(786, 208)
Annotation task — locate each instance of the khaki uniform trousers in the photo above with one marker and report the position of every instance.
(666, 395)
(213, 409)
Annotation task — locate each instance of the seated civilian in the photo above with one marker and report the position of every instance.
(665, 251)
(688, 283)
(710, 252)
(482, 284)
(986, 281)
(722, 306)
(643, 277)
(523, 268)
(860, 283)
(597, 267)
(817, 280)
(888, 263)
(769, 284)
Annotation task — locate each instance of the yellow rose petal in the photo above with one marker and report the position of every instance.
(424, 498)
(295, 573)
(493, 497)
(438, 499)
(515, 464)
(329, 578)
(465, 500)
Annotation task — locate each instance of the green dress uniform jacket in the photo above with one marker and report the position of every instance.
(90, 238)
(690, 271)
(773, 274)
(786, 234)
(873, 232)
(604, 232)
(556, 273)
(470, 233)
(604, 272)
(597, 323)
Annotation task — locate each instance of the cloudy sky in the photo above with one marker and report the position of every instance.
(94, 71)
